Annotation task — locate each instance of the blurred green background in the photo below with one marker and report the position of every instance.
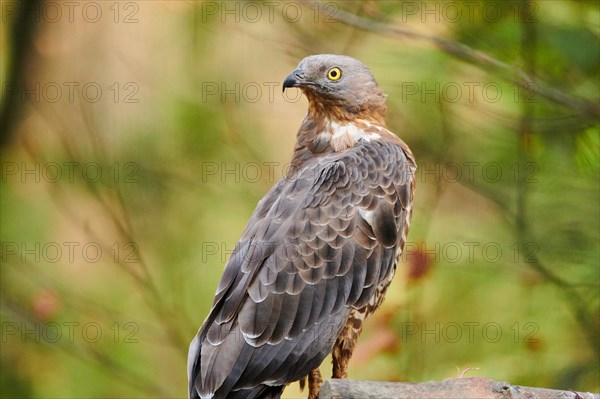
(137, 138)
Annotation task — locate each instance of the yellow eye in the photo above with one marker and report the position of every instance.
(334, 73)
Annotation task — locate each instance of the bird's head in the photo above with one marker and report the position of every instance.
(339, 88)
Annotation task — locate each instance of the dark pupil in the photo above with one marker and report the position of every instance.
(333, 74)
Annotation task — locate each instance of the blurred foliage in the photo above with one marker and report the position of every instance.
(109, 269)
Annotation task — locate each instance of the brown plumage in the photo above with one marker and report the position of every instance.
(319, 250)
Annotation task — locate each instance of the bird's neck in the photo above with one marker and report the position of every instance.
(372, 110)
(323, 134)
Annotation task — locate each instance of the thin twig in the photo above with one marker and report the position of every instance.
(525, 134)
(86, 353)
(511, 73)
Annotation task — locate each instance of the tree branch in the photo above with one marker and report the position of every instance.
(21, 38)
(459, 388)
(478, 58)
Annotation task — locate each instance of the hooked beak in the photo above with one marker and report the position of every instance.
(294, 79)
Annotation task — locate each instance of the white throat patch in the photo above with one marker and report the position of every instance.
(345, 135)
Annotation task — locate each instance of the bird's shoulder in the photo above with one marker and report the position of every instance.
(378, 161)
